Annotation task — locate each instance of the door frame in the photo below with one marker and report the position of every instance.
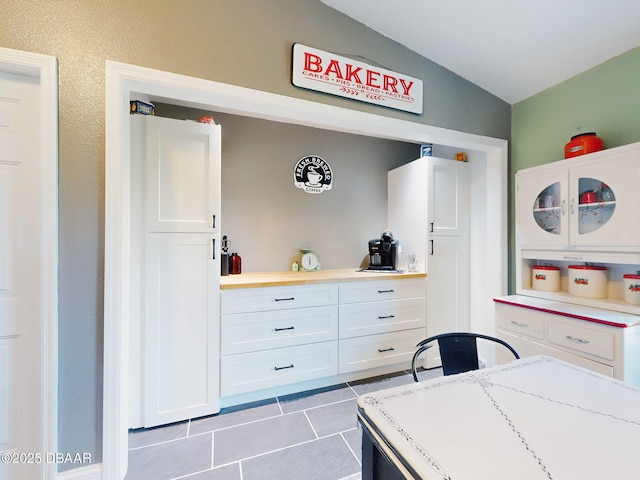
(124, 80)
(45, 68)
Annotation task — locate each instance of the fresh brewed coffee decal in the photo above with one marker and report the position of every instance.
(312, 174)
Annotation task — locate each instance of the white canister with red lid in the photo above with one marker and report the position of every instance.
(632, 288)
(588, 281)
(545, 278)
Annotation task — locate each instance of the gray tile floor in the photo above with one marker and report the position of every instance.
(307, 436)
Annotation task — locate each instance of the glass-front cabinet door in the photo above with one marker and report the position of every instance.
(604, 203)
(541, 204)
(590, 205)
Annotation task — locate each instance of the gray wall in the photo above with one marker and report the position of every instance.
(246, 43)
(268, 219)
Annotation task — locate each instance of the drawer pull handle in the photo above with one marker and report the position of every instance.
(285, 299)
(576, 339)
(386, 291)
(519, 324)
(382, 317)
(284, 328)
(283, 368)
(382, 350)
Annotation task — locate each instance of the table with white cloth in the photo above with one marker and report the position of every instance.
(534, 418)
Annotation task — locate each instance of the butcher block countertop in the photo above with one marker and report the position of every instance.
(277, 279)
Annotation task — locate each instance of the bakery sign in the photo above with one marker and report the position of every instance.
(329, 73)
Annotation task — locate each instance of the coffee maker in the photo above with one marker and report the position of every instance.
(384, 252)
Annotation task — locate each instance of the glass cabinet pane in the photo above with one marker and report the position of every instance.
(596, 204)
(547, 209)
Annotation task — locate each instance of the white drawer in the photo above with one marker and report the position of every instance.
(527, 348)
(582, 338)
(249, 332)
(255, 371)
(368, 291)
(369, 318)
(521, 321)
(244, 300)
(361, 353)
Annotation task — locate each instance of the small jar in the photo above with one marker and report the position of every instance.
(582, 144)
(588, 281)
(545, 278)
(632, 288)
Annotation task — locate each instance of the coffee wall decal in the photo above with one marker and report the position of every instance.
(313, 174)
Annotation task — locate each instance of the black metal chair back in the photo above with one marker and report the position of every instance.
(458, 351)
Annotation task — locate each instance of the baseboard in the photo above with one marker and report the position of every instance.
(89, 472)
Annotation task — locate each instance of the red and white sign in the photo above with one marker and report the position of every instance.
(330, 73)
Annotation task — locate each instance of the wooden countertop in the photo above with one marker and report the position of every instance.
(276, 279)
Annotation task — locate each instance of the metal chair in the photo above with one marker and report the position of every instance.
(458, 351)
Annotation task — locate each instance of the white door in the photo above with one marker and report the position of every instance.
(22, 288)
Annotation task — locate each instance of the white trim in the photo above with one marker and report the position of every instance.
(45, 67)
(89, 472)
(121, 81)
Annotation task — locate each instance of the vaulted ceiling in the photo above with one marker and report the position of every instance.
(511, 48)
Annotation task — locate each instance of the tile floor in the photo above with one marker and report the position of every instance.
(307, 436)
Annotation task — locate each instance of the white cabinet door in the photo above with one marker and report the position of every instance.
(447, 197)
(611, 219)
(448, 289)
(542, 216)
(181, 328)
(182, 171)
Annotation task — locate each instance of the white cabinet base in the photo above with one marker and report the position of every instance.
(580, 335)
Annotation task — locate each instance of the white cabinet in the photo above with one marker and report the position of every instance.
(175, 199)
(380, 323)
(274, 336)
(282, 335)
(573, 212)
(585, 202)
(602, 341)
(428, 211)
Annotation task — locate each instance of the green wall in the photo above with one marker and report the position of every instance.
(604, 99)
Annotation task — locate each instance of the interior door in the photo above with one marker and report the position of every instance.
(21, 276)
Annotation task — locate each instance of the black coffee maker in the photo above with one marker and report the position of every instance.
(383, 252)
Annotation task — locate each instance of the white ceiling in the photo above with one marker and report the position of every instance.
(511, 48)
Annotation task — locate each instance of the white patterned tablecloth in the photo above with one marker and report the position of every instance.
(535, 418)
